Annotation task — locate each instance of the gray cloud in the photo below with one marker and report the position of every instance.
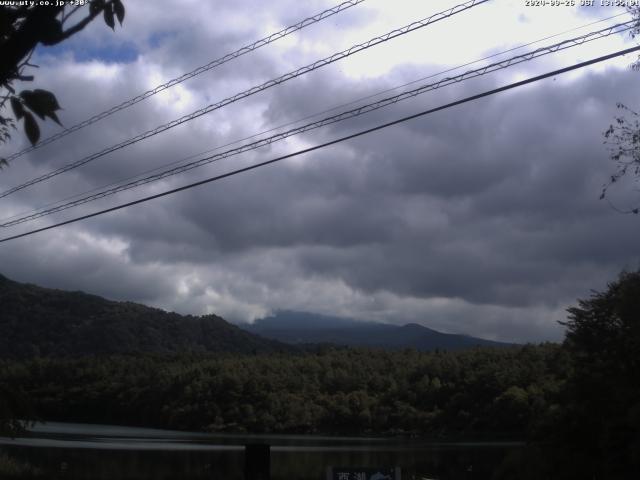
(482, 219)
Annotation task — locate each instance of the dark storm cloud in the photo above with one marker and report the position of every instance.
(81, 262)
(500, 208)
(481, 219)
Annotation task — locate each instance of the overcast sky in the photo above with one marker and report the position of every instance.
(481, 219)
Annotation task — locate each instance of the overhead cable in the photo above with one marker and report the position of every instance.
(307, 117)
(370, 107)
(271, 83)
(193, 73)
(332, 142)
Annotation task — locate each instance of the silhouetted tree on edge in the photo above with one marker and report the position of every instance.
(603, 338)
(623, 135)
(591, 429)
(22, 28)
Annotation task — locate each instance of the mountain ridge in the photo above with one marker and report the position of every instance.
(38, 321)
(308, 328)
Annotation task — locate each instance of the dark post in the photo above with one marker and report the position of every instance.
(257, 462)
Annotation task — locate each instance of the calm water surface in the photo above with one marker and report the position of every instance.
(82, 451)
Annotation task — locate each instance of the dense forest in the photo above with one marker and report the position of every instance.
(483, 392)
(576, 404)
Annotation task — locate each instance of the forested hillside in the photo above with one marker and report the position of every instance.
(578, 403)
(492, 393)
(36, 321)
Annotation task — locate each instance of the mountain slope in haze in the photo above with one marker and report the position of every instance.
(302, 327)
(36, 321)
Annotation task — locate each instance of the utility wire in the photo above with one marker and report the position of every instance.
(271, 83)
(333, 119)
(332, 142)
(193, 73)
(308, 117)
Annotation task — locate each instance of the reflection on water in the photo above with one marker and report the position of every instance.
(78, 451)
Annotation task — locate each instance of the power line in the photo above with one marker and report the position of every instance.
(570, 43)
(314, 115)
(256, 89)
(332, 142)
(193, 73)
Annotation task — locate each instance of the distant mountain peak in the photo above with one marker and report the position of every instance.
(305, 327)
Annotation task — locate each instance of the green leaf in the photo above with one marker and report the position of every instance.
(108, 16)
(118, 7)
(31, 128)
(42, 102)
(18, 109)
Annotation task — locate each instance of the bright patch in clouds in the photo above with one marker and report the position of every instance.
(482, 219)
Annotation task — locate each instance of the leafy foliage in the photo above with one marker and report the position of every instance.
(603, 409)
(22, 28)
(481, 393)
(623, 138)
(593, 431)
(623, 135)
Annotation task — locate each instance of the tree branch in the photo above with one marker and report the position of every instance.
(25, 39)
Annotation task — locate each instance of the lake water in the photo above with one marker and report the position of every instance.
(81, 451)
